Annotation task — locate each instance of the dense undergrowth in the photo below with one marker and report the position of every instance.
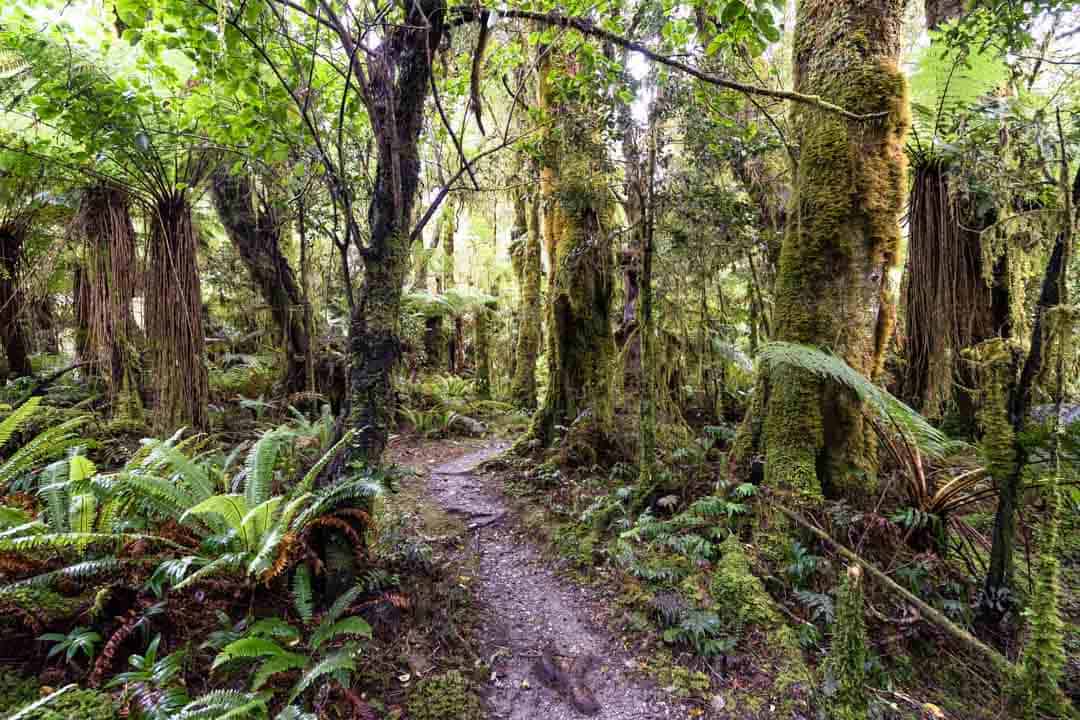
(192, 576)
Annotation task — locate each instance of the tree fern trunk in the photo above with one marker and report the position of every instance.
(174, 323)
(12, 332)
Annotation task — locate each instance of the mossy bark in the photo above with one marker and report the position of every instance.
(842, 250)
(257, 238)
(526, 249)
(374, 343)
(174, 319)
(12, 333)
(576, 215)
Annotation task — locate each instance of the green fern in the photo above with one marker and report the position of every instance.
(18, 417)
(893, 412)
(302, 594)
(260, 464)
(339, 663)
(45, 445)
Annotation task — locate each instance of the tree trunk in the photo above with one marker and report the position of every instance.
(400, 89)
(454, 344)
(12, 331)
(581, 345)
(174, 324)
(108, 337)
(257, 238)
(841, 250)
(526, 247)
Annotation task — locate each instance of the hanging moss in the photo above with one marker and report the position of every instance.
(1044, 653)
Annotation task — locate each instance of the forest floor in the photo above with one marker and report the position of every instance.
(542, 635)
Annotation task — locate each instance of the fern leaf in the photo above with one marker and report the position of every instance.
(248, 647)
(259, 466)
(233, 508)
(309, 478)
(280, 663)
(339, 606)
(930, 440)
(15, 420)
(346, 626)
(302, 593)
(343, 659)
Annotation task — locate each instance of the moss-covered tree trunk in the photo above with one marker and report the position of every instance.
(256, 235)
(12, 332)
(526, 253)
(174, 319)
(107, 333)
(576, 217)
(455, 350)
(400, 88)
(841, 253)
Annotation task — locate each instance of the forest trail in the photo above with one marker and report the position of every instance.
(529, 608)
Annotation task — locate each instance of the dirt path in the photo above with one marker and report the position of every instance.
(531, 609)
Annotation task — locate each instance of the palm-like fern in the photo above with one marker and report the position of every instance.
(890, 410)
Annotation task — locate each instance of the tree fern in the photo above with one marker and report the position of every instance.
(895, 414)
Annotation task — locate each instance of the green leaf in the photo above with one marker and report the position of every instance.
(233, 508)
(247, 647)
(354, 625)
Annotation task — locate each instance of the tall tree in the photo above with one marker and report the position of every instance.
(525, 252)
(254, 227)
(842, 248)
(576, 222)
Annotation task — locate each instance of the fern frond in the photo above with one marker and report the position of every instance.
(246, 648)
(302, 593)
(335, 496)
(281, 663)
(47, 444)
(78, 571)
(76, 541)
(259, 466)
(224, 705)
(18, 417)
(354, 625)
(218, 565)
(342, 660)
(930, 440)
(339, 606)
(309, 478)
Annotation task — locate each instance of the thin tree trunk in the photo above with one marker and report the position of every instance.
(527, 243)
(174, 324)
(12, 331)
(840, 252)
(374, 345)
(257, 238)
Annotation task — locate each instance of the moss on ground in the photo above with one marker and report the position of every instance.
(17, 692)
(444, 697)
